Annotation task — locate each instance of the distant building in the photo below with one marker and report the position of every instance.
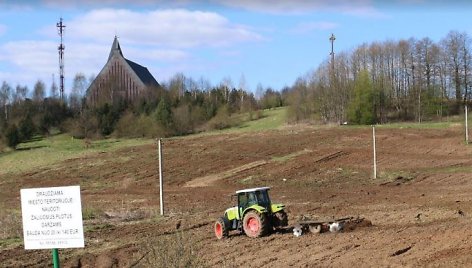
(120, 78)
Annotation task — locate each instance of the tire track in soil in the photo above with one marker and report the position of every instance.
(210, 179)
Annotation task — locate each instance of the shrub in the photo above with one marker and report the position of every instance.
(182, 120)
(10, 223)
(255, 115)
(132, 126)
(85, 126)
(3, 145)
(222, 120)
(89, 213)
(108, 116)
(177, 250)
(13, 136)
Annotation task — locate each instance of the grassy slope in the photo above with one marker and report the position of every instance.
(58, 148)
(270, 119)
(424, 125)
(48, 151)
(52, 150)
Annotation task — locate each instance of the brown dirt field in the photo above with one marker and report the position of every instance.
(422, 198)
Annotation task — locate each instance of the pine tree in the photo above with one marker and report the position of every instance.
(13, 136)
(27, 129)
(361, 108)
(163, 113)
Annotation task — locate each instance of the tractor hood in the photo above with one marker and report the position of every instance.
(232, 213)
(277, 207)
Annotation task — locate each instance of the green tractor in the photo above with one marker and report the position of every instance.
(254, 215)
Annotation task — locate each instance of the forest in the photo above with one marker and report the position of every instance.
(377, 83)
(381, 82)
(180, 106)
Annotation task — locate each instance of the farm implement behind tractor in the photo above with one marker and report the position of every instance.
(337, 225)
(254, 214)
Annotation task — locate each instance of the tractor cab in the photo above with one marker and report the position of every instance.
(254, 196)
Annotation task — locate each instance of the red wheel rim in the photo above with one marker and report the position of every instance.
(253, 224)
(218, 230)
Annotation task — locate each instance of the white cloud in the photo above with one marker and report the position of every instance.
(306, 27)
(363, 8)
(15, 78)
(15, 5)
(28, 61)
(366, 12)
(95, 3)
(34, 56)
(168, 28)
(168, 55)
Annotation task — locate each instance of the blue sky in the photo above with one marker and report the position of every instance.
(271, 42)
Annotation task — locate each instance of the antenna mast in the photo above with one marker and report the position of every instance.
(60, 28)
(331, 39)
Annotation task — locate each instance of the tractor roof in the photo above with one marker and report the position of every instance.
(253, 190)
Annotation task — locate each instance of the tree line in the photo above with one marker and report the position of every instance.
(405, 80)
(180, 106)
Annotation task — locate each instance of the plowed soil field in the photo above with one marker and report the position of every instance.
(420, 205)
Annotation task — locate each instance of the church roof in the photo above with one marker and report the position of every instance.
(142, 72)
(115, 48)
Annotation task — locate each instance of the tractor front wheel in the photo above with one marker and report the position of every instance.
(221, 228)
(255, 224)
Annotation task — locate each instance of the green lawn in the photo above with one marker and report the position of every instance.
(48, 151)
(423, 125)
(270, 119)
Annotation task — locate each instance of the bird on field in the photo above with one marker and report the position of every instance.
(460, 212)
(418, 217)
(177, 226)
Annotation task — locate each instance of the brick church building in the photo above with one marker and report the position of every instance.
(120, 78)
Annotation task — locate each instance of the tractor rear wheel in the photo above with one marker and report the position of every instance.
(255, 224)
(221, 228)
(280, 219)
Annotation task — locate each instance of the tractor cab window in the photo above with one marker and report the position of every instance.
(243, 200)
(263, 198)
(252, 200)
(247, 199)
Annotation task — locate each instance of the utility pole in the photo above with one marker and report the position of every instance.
(375, 152)
(60, 28)
(466, 125)
(161, 178)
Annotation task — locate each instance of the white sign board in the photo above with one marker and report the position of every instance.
(52, 217)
